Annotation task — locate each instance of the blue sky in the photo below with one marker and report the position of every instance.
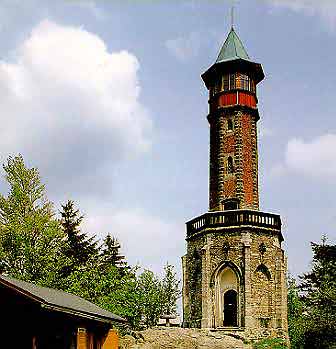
(105, 98)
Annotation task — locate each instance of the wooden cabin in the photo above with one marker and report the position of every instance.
(35, 317)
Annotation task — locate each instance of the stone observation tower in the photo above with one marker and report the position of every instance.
(234, 271)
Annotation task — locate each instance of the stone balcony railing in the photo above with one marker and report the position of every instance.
(234, 218)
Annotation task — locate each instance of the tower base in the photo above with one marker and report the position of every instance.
(234, 274)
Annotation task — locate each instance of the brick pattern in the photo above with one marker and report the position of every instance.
(241, 145)
(217, 162)
(229, 143)
(230, 187)
(247, 160)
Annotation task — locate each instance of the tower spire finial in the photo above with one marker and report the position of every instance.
(232, 15)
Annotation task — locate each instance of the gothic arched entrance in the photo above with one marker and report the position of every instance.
(226, 296)
(230, 308)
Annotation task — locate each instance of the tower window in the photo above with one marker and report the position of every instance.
(217, 88)
(230, 125)
(238, 80)
(225, 82)
(230, 165)
(232, 81)
(243, 81)
(253, 86)
(231, 204)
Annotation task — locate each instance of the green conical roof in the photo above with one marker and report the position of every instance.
(232, 49)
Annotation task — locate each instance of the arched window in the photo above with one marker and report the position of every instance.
(263, 269)
(230, 124)
(230, 168)
(262, 293)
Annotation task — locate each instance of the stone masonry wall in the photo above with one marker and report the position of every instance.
(192, 292)
(257, 256)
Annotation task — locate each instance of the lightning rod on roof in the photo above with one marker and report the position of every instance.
(232, 16)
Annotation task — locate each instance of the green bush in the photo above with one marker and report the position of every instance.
(270, 343)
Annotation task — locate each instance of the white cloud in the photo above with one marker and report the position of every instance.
(146, 239)
(326, 9)
(69, 104)
(316, 158)
(184, 47)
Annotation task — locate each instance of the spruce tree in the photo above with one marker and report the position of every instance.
(318, 288)
(110, 254)
(81, 248)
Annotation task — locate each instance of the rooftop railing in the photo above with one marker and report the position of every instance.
(234, 218)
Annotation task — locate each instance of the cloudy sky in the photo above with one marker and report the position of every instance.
(105, 98)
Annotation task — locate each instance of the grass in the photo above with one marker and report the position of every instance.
(270, 343)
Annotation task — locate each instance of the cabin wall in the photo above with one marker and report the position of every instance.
(28, 325)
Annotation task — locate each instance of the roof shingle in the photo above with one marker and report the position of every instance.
(60, 300)
(232, 49)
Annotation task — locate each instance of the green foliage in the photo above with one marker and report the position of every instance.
(80, 248)
(151, 297)
(35, 246)
(270, 343)
(319, 296)
(110, 252)
(140, 298)
(31, 239)
(171, 290)
(296, 320)
(113, 290)
(312, 304)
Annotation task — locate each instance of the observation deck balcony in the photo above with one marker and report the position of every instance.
(234, 219)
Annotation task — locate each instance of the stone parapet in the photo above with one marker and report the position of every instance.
(234, 219)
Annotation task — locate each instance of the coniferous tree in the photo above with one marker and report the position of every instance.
(110, 254)
(319, 296)
(80, 247)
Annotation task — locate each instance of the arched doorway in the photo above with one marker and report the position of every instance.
(226, 296)
(230, 308)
